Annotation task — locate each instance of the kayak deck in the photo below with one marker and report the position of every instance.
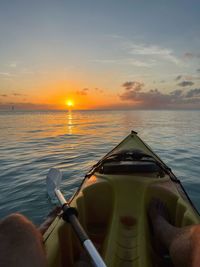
(113, 210)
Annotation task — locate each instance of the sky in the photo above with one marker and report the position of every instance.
(108, 54)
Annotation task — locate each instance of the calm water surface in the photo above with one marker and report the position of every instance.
(33, 142)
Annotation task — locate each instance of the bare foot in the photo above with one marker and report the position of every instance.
(157, 209)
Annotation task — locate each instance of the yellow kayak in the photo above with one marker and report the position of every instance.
(112, 204)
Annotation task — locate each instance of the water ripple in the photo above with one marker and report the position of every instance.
(33, 142)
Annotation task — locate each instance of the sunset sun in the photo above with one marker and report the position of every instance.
(69, 103)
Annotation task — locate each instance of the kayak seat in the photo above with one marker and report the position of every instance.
(113, 211)
(97, 211)
(129, 240)
(94, 213)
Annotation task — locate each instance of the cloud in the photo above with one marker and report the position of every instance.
(176, 93)
(106, 61)
(13, 64)
(127, 61)
(17, 94)
(136, 86)
(84, 91)
(151, 98)
(153, 51)
(178, 77)
(99, 90)
(188, 55)
(4, 95)
(193, 93)
(187, 78)
(7, 74)
(14, 94)
(140, 63)
(198, 70)
(185, 83)
(139, 54)
(156, 99)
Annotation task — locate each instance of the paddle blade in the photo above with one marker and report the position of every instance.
(53, 180)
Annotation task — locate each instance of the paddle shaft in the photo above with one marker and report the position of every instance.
(69, 215)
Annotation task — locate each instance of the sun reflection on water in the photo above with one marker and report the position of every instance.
(70, 122)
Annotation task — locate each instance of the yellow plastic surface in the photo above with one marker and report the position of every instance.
(113, 211)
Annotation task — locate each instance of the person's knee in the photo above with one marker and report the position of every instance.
(15, 219)
(17, 226)
(22, 241)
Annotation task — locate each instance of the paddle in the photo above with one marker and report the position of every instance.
(54, 178)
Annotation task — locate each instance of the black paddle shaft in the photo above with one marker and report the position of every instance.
(70, 215)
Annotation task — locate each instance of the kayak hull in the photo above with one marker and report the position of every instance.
(113, 209)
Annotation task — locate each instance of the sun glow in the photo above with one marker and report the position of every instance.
(69, 103)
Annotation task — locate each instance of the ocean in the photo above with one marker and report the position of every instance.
(32, 142)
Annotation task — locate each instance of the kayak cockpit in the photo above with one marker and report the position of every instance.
(112, 203)
(113, 211)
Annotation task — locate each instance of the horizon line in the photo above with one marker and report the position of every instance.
(106, 109)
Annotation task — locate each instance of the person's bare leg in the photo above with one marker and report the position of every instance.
(183, 243)
(20, 243)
